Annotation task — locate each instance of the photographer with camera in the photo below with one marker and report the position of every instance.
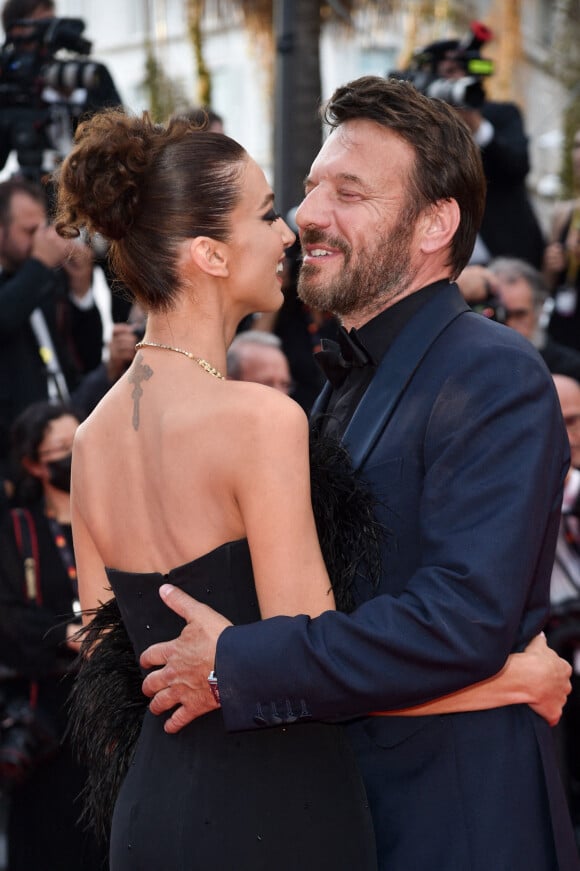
(563, 629)
(51, 334)
(453, 70)
(39, 616)
(512, 292)
(43, 96)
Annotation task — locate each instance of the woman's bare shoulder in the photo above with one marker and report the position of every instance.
(105, 419)
(260, 420)
(84, 434)
(256, 402)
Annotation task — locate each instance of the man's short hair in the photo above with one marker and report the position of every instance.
(447, 160)
(512, 269)
(18, 185)
(14, 10)
(248, 337)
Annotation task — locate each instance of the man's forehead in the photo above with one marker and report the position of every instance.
(568, 393)
(25, 208)
(361, 148)
(515, 284)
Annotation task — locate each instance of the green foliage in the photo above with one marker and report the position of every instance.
(204, 83)
(571, 126)
(564, 65)
(165, 94)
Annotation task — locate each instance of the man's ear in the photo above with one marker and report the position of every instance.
(209, 255)
(440, 222)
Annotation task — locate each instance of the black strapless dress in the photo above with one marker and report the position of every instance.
(208, 800)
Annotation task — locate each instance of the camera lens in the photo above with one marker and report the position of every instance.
(71, 74)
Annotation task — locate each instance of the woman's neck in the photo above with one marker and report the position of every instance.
(199, 322)
(205, 339)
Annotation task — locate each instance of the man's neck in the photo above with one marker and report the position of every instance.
(361, 317)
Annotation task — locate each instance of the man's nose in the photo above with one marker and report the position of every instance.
(312, 211)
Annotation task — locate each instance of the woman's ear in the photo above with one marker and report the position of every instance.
(440, 222)
(209, 255)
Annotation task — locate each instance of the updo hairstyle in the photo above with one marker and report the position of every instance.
(145, 188)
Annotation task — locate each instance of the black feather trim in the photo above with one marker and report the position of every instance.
(349, 533)
(106, 713)
(107, 704)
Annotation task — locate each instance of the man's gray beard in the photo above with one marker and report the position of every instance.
(365, 288)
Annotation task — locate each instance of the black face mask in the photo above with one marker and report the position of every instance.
(59, 473)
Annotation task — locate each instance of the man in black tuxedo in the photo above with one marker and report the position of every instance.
(436, 406)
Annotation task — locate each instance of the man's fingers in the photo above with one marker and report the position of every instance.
(180, 717)
(156, 655)
(164, 700)
(178, 669)
(184, 605)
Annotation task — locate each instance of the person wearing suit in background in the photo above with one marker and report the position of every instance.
(468, 492)
(562, 262)
(514, 292)
(51, 333)
(563, 631)
(510, 227)
(50, 328)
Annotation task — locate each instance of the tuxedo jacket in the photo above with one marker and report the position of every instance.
(510, 227)
(76, 334)
(460, 437)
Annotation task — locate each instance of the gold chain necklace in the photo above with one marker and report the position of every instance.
(199, 360)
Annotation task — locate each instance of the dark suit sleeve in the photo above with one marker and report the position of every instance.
(494, 456)
(86, 336)
(91, 389)
(102, 94)
(505, 159)
(21, 293)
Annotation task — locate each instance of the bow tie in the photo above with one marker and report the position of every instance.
(336, 359)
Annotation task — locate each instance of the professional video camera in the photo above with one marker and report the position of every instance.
(29, 123)
(464, 92)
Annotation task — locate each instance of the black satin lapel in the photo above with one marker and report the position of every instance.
(397, 369)
(321, 401)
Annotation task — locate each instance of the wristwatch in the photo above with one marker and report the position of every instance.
(213, 685)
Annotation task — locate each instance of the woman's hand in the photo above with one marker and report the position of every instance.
(537, 677)
(549, 679)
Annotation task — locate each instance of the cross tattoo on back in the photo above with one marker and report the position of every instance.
(142, 372)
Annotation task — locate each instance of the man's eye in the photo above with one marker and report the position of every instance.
(271, 216)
